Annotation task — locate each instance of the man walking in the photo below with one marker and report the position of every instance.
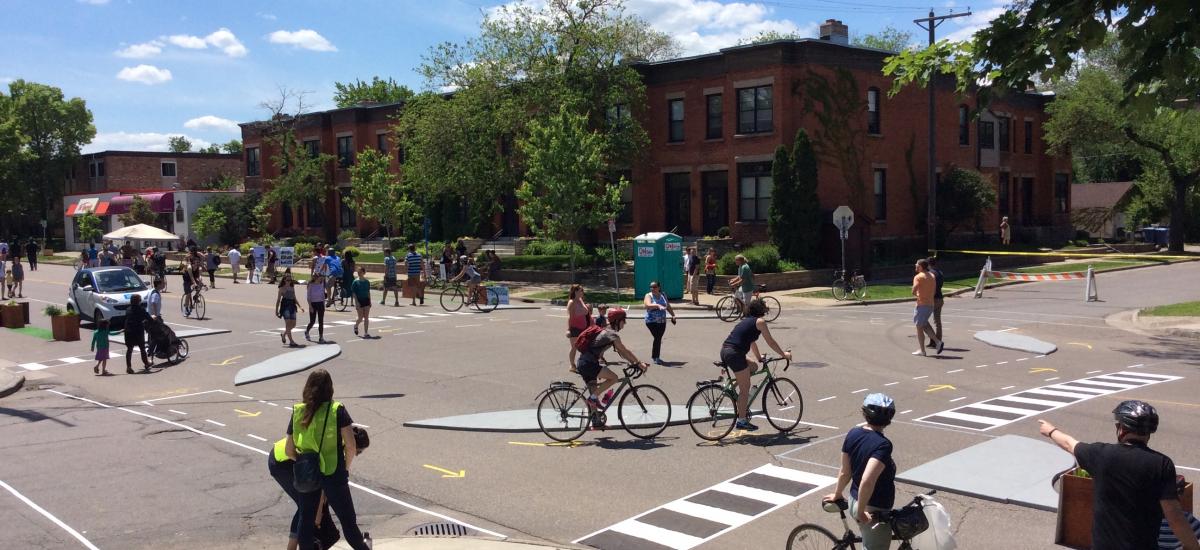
(1135, 486)
(211, 261)
(235, 262)
(691, 266)
(938, 300)
(389, 278)
(412, 261)
(923, 287)
(31, 252)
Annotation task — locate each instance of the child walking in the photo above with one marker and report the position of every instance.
(100, 345)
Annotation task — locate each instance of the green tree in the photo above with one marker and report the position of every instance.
(889, 38)
(89, 227)
(963, 196)
(140, 211)
(212, 149)
(837, 103)
(13, 196)
(379, 195)
(794, 221)
(51, 131)
(208, 220)
(233, 146)
(224, 182)
(303, 177)
(769, 36)
(179, 144)
(230, 217)
(349, 94)
(564, 188)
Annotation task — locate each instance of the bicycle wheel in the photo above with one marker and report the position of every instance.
(493, 300)
(452, 298)
(645, 415)
(773, 308)
(711, 412)
(185, 306)
(839, 289)
(563, 414)
(339, 300)
(727, 309)
(181, 352)
(198, 306)
(782, 404)
(814, 537)
(859, 289)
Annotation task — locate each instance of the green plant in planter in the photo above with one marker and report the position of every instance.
(52, 310)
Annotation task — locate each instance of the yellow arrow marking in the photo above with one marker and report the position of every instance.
(1041, 369)
(447, 473)
(227, 361)
(244, 414)
(938, 387)
(1088, 346)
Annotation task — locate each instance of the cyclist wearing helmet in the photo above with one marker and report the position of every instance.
(742, 340)
(599, 378)
(1134, 485)
(868, 468)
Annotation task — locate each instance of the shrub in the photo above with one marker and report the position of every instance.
(552, 248)
(546, 262)
(723, 232)
(788, 265)
(347, 235)
(309, 239)
(244, 248)
(353, 251)
(604, 254)
(303, 250)
(762, 259)
(398, 244)
(52, 310)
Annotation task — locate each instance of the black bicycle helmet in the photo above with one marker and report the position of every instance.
(878, 409)
(1136, 416)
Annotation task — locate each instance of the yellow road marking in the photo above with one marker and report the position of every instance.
(1082, 344)
(226, 362)
(1041, 369)
(939, 387)
(447, 473)
(245, 414)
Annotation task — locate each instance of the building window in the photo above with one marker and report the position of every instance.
(1005, 135)
(252, 165)
(1029, 137)
(345, 151)
(754, 110)
(880, 194)
(100, 169)
(346, 216)
(314, 214)
(713, 127)
(1003, 194)
(286, 215)
(91, 169)
(987, 135)
(168, 169)
(675, 120)
(626, 215)
(964, 125)
(617, 116)
(754, 191)
(1062, 183)
(313, 147)
(381, 142)
(873, 126)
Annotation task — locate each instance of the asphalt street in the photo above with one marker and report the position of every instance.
(175, 458)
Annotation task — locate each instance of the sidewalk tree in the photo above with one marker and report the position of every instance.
(303, 177)
(794, 221)
(179, 144)
(208, 220)
(963, 196)
(140, 211)
(89, 227)
(230, 217)
(378, 195)
(564, 189)
(349, 94)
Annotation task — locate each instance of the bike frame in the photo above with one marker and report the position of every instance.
(730, 385)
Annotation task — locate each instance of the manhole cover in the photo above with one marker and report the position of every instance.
(441, 529)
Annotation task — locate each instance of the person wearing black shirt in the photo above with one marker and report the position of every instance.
(135, 333)
(868, 468)
(31, 252)
(938, 298)
(1134, 485)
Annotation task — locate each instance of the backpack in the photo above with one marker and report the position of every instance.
(584, 341)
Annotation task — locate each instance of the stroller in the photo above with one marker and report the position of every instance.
(164, 344)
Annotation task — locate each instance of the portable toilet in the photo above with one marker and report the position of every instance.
(658, 257)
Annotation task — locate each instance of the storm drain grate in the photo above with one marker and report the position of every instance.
(441, 529)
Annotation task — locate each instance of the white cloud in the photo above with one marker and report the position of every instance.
(136, 141)
(222, 39)
(210, 122)
(266, 16)
(140, 51)
(187, 41)
(145, 74)
(972, 24)
(303, 38)
(93, 2)
(7, 80)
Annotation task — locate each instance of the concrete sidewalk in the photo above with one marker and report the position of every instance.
(453, 543)
(1133, 321)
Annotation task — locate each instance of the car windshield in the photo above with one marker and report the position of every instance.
(118, 280)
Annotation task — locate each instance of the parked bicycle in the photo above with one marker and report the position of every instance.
(454, 297)
(730, 308)
(712, 409)
(643, 410)
(906, 522)
(192, 304)
(853, 287)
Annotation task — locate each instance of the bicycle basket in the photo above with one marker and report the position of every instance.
(909, 521)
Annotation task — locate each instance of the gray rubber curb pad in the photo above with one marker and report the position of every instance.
(519, 421)
(193, 333)
(1017, 342)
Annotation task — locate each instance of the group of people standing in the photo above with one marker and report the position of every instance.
(12, 273)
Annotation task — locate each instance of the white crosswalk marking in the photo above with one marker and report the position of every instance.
(33, 366)
(73, 360)
(719, 515)
(657, 535)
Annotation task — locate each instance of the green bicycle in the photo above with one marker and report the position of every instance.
(712, 409)
(644, 410)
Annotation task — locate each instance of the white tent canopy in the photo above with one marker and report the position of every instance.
(141, 231)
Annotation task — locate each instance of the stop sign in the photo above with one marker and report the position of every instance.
(843, 218)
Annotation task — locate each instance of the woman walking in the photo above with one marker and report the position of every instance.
(710, 269)
(578, 319)
(657, 308)
(135, 333)
(100, 346)
(311, 431)
(286, 306)
(447, 259)
(360, 292)
(316, 308)
(18, 274)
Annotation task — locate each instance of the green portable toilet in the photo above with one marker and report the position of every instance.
(658, 257)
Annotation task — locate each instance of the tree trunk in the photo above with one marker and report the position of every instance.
(1178, 215)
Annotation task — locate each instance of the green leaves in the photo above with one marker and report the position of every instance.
(209, 220)
(379, 195)
(962, 196)
(794, 221)
(376, 91)
(140, 211)
(89, 227)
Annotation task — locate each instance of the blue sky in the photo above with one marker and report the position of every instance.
(149, 69)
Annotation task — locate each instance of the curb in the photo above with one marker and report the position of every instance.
(1170, 331)
(10, 383)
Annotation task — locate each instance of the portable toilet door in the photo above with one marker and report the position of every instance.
(671, 266)
(647, 252)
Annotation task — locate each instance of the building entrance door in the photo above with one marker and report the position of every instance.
(1027, 201)
(714, 200)
(508, 218)
(679, 203)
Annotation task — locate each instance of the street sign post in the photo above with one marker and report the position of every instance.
(612, 242)
(843, 218)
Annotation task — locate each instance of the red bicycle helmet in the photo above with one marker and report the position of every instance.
(616, 314)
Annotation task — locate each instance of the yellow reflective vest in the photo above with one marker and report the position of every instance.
(308, 440)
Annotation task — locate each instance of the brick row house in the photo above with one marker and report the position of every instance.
(714, 123)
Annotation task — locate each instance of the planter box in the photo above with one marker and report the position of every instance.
(1075, 511)
(24, 311)
(11, 316)
(65, 327)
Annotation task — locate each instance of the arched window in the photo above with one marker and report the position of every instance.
(873, 126)
(964, 128)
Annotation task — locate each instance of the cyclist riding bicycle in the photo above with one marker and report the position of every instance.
(743, 283)
(742, 340)
(192, 283)
(868, 468)
(599, 378)
(471, 274)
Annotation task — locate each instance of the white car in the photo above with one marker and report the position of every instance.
(104, 293)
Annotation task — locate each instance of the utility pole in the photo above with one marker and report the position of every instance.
(931, 24)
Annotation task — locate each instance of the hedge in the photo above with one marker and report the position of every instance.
(552, 248)
(762, 259)
(549, 263)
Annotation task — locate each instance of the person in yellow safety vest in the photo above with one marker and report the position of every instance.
(280, 467)
(310, 431)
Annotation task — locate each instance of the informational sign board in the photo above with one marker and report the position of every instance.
(287, 256)
(672, 246)
(645, 251)
(501, 294)
(260, 255)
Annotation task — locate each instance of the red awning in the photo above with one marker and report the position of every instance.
(161, 203)
(102, 209)
(71, 209)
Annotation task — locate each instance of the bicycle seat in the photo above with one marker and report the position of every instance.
(719, 364)
(762, 288)
(832, 506)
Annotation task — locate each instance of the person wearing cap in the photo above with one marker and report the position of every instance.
(868, 468)
(596, 376)
(1135, 486)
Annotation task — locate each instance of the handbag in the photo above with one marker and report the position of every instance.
(306, 471)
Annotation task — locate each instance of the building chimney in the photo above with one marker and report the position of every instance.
(835, 31)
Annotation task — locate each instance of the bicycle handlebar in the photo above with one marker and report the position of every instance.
(631, 371)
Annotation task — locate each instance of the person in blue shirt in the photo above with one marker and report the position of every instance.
(93, 256)
(334, 263)
(389, 278)
(412, 261)
(868, 468)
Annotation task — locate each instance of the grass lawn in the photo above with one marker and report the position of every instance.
(1184, 309)
(592, 296)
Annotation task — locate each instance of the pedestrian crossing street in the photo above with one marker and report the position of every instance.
(707, 514)
(382, 318)
(992, 413)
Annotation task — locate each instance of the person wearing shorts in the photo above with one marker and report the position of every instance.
(286, 306)
(412, 262)
(743, 284)
(741, 341)
(598, 377)
(360, 292)
(389, 278)
(923, 288)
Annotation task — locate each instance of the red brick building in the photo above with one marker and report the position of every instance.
(146, 170)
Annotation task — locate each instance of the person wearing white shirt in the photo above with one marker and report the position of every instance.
(235, 262)
(154, 300)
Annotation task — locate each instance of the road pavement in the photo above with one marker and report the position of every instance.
(175, 456)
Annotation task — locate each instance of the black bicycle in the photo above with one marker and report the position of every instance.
(644, 410)
(906, 522)
(853, 287)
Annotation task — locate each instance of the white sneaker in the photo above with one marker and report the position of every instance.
(919, 352)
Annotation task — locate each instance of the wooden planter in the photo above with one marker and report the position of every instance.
(11, 316)
(1075, 511)
(65, 327)
(24, 311)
